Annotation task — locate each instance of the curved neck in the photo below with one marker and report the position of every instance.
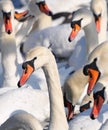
(91, 36)
(57, 113)
(103, 31)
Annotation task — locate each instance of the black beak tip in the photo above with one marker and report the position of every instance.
(9, 32)
(18, 84)
(69, 39)
(50, 13)
(92, 117)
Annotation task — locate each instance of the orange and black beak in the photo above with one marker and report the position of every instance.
(20, 16)
(44, 8)
(93, 72)
(70, 108)
(76, 27)
(74, 32)
(28, 69)
(7, 22)
(98, 21)
(98, 102)
(94, 76)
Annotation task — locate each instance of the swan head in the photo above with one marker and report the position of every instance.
(6, 16)
(93, 72)
(80, 19)
(36, 58)
(38, 6)
(99, 96)
(98, 7)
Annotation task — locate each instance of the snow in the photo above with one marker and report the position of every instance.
(33, 97)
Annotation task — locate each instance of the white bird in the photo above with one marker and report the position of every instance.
(38, 17)
(99, 9)
(56, 38)
(100, 53)
(40, 57)
(82, 19)
(21, 120)
(8, 44)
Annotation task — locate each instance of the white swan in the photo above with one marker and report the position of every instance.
(39, 17)
(21, 120)
(97, 64)
(72, 84)
(40, 57)
(83, 19)
(7, 43)
(99, 9)
(100, 94)
(55, 37)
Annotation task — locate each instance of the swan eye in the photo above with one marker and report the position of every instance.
(96, 16)
(40, 3)
(6, 14)
(73, 23)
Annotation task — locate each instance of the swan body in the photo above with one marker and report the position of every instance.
(21, 120)
(87, 23)
(54, 37)
(40, 57)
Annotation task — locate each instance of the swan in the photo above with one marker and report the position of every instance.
(100, 94)
(8, 44)
(90, 73)
(71, 83)
(38, 14)
(21, 120)
(96, 66)
(99, 9)
(55, 38)
(40, 57)
(82, 19)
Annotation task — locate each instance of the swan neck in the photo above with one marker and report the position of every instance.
(103, 31)
(57, 113)
(91, 36)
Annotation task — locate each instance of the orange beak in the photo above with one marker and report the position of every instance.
(44, 8)
(74, 32)
(25, 76)
(94, 75)
(98, 24)
(8, 24)
(18, 16)
(97, 107)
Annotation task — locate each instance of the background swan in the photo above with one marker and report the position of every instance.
(36, 20)
(21, 102)
(8, 44)
(99, 9)
(55, 37)
(22, 120)
(83, 18)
